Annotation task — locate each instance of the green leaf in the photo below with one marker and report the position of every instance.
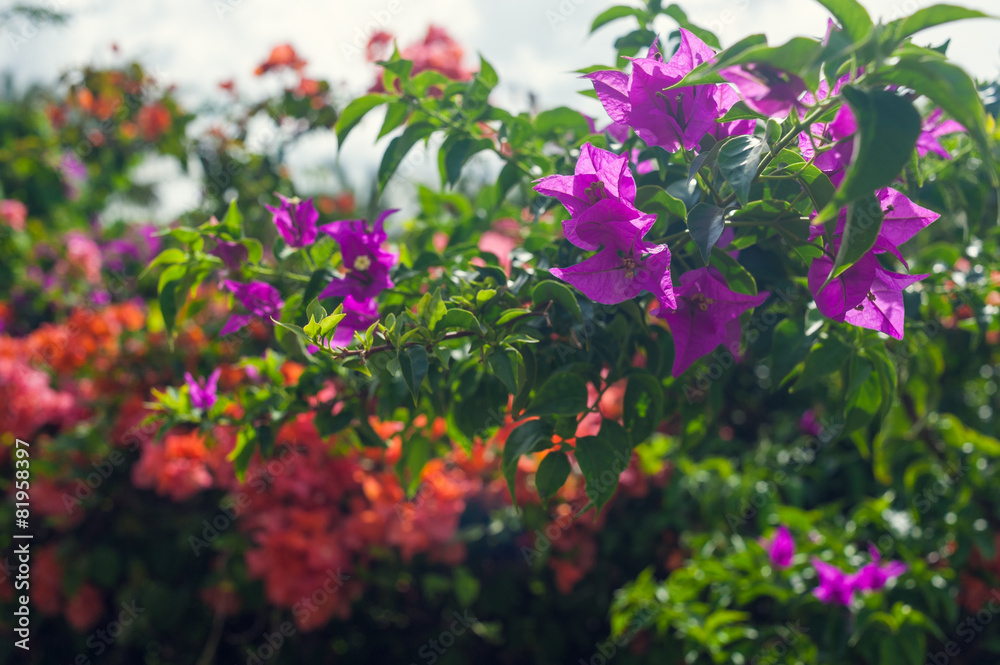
(655, 200)
(738, 162)
(504, 369)
(399, 147)
(315, 310)
(864, 221)
(487, 74)
(562, 394)
(888, 128)
(435, 311)
(561, 118)
(676, 13)
(354, 112)
(825, 358)
(459, 153)
(168, 304)
(327, 423)
(317, 282)
(853, 18)
(551, 474)
(708, 72)
(740, 111)
(395, 115)
(240, 455)
(615, 13)
(706, 223)
(928, 17)
(169, 256)
(864, 400)
(413, 364)
(461, 319)
(643, 404)
(602, 459)
(799, 55)
(951, 88)
(552, 291)
(790, 346)
(530, 437)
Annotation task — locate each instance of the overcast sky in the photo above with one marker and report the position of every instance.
(533, 44)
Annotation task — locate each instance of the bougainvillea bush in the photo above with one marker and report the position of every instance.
(709, 378)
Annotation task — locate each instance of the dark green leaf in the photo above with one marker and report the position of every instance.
(530, 437)
(951, 88)
(655, 200)
(615, 13)
(643, 405)
(563, 394)
(413, 365)
(504, 370)
(399, 147)
(864, 221)
(888, 128)
(395, 115)
(552, 291)
(928, 17)
(738, 162)
(552, 473)
(706, 223)
(354, 112)
(825, 358)
(852, 17)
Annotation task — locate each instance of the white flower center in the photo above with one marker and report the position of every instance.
(363, 262)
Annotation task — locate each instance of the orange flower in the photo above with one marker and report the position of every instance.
(153, 120)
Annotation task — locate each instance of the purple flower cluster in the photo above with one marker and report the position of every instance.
(703, 312)
(671, 119)
(836, 587)
(366, 264)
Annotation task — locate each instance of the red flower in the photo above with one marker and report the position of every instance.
(153, 120)
(281, 56)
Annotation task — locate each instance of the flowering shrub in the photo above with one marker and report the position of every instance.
(713, 383)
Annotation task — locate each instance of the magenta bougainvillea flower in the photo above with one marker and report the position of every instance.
(882, 308)
(864, 295)
(781, 549)
(835, 586)
(296, 220)
(233, 254)
(620, 272)
(606, 223)
(358, 317)
(835, 141)
(933, 129)
(366, 262)
(766, 89)
(873, 577)
(202, 391)
(599, 175)
(670, 119)
(258, 298)
(902, 219)
(725, 97)
(707, 314)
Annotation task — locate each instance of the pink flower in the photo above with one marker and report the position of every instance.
(14, 213)
(835, 586)
(707, 315)
(933, 129)
(782, 548)
(873, 577)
